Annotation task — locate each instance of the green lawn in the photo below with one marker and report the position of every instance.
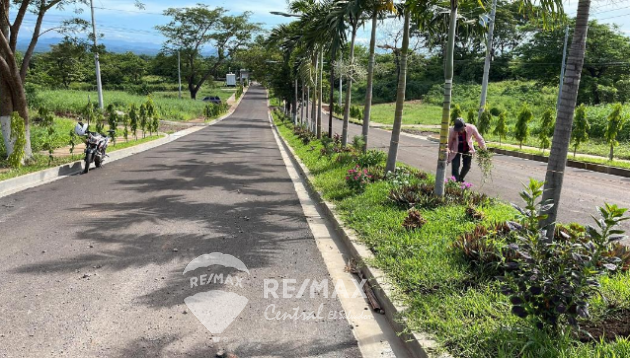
(446, 297)
(170, 107)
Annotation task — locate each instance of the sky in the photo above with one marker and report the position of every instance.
(120, 20)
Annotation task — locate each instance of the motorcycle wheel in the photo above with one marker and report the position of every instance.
(88, 161)
(98, 161)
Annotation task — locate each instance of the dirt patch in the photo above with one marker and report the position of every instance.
(617, 325)
(172, 127)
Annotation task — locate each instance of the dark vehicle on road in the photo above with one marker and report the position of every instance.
(213, 99)
(95, 146)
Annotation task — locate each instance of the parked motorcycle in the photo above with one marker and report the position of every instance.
(95, 146)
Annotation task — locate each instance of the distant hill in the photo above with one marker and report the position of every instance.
(116, 46)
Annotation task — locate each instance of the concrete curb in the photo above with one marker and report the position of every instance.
(24, 182)
(570, 163)
(418, 344)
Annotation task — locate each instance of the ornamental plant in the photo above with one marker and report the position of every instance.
(470, 118)
(615, 122)
(133, 120)
(501, 129)
(485, 120)
(143, 119)
(456, 113)
(551, 280)
(521, 130)
(581, 128)
(358, 178)
(18, 137)
(546, 125)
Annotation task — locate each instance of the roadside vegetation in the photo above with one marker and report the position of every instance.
(450, 258)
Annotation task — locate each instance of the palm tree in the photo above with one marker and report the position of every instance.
(564, 121)
(378, 7)
(400, 97)
(351, 11)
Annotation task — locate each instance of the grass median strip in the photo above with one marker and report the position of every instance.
(446, 295)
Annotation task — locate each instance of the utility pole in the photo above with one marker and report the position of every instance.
(564, 65)
(486, 67)
(99, 85)
(179, 73)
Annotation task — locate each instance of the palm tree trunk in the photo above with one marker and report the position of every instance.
(332, 94)
(320, 75)
(308, 97)
(302, 105)
(346, 112)
(564, 123)
(446, 106)
(295, 103)
(370, 79)
(400, 99)
(313, 120)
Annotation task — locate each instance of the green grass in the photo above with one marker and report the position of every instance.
(586, 159)
(446, 298)
(42, 162)
(170, 107)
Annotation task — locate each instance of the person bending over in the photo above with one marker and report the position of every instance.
(461, 148)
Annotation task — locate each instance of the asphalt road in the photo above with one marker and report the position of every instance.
(92, 265)
(583, 190)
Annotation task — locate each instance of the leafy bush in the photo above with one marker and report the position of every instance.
(552, 280)
(371, 158)
(400, 177)
(358, 178)
(18, 137)
(483, 247)
(406, 196)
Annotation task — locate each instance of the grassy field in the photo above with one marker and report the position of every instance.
(170, 107)
(445, 295)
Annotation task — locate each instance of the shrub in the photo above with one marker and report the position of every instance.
(406, 196)
(358, 142)
(414, 220)
(400, 177)
(552, 281)
(471, 117)
(456, 113)
(615, 122)
(581, 128)
(482, 247)
(485, 121)
(18, 137)
(358, 178)
(371, 158)
(474, 213)
(546, 126)
(501, 129)
(521, 131)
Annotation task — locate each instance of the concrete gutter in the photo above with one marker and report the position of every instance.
(21, 183)
(417, 344)
(570, 163)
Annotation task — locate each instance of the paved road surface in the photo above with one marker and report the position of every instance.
(88, 266)
(583, 190)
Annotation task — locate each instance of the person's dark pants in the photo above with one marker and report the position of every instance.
(460, 175)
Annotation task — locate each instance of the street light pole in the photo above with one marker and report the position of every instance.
(97, 63)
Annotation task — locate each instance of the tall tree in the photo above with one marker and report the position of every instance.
(378, 7)
(564, 121)
(352, 11)
(192, 29)
(400, 98)
(13, 66)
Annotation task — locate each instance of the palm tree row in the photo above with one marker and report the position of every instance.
(324, 25)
